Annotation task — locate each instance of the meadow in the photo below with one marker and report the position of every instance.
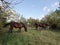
(31, 37)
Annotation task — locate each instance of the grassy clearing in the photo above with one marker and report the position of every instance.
(32, 37)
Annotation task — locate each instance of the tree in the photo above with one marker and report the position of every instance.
(31, 21)
(6, 10)
(52, 18)
(4, 14)
(6, 3)
(22, 19)
(2, 19)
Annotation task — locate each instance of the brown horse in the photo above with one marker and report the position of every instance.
(43, 25)
(16, 25)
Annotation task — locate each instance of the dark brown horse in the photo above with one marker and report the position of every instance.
(16, 25)
(43, 25)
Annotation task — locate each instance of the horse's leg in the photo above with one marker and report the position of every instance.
(44, 27)
(19, 29)
(36, 27)
(10, 30)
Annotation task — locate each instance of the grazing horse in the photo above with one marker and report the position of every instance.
(16, 25)
(43, 25)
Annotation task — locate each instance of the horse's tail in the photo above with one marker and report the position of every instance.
(5, 25)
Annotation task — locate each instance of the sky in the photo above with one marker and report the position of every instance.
(36, 8)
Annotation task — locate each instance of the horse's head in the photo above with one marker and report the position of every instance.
(24, 25)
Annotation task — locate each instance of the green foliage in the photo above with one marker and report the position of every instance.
(58, 12)
(4, 14)
(1, 18)
(31, 21)
(52, 18)
(22, 19)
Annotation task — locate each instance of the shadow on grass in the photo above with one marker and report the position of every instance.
(55, 30)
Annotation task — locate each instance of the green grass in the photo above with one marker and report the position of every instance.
(32, 37)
